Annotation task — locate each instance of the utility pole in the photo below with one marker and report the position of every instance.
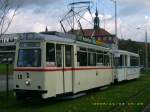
(146, 52)
(116, 31)
(146, 48)
(73, 15)
(116, 22)
(7, 77)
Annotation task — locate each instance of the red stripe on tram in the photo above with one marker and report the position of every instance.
(56, 69)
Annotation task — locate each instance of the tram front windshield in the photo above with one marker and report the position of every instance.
(29, 58)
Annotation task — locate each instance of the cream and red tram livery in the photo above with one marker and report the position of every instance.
(52, 65)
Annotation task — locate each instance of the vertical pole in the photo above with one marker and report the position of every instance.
(73, 15)
(146, 52)
(7, 78)
(63, 46)
(139, 57)
(116, 33)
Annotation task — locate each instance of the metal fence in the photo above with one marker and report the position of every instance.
(5, 78)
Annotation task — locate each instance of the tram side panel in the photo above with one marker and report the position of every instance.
(133, 73)
(89, 79)
(104, 76)
(86, 79)
(50, 84)
(121, 73)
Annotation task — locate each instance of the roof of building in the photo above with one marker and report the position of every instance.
(92, 32)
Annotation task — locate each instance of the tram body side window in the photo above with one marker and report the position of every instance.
(50, 54)
(82, 57)
(91, 59)
(134, 61)
(100, 58)
(121, 60)
(68, 55)
(58, 55)
(106, 60)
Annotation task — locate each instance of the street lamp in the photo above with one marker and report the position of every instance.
(146, 48)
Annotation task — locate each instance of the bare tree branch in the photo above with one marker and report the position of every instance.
(5, 17)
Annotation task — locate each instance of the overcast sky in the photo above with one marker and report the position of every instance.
(35, 15)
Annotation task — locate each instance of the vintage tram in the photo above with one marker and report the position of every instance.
(60, 64)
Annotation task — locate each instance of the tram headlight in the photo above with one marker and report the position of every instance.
(28, 82)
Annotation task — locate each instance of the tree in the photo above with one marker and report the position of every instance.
(136, 47)
(7, 14)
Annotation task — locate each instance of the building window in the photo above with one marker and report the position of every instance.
(104, 38)
(99, 38)
(110, 38)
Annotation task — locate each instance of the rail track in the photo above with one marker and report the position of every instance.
(133, 97)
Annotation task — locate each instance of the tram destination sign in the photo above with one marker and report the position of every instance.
(91, 41)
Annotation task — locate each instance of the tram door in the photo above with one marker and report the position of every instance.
(120, 67)
(115, 67)
(67, 68)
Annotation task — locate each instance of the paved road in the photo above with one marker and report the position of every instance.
(3, 82)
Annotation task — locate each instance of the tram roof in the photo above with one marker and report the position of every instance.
(58, 37)
(44, 37)
(69, 39)
(125, 53)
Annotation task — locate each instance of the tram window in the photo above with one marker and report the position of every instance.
(83, 49)
(116, 61)
(82, 58)
(121, 61)
(68, 56)
(58, 55)
(91, 59)
(99, 59)
(29, 58)
(106, 60)
(125, 64)
(98, 51)
(91, 50)
(50, 54)
(134, 61)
